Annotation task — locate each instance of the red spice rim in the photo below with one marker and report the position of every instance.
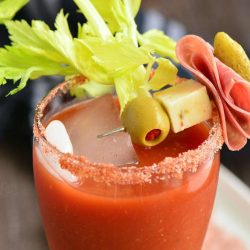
(170, 167)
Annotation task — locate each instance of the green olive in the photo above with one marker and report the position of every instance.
(146, 121)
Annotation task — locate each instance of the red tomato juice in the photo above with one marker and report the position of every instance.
(170, 214)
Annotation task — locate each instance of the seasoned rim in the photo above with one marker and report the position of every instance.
(170, 167)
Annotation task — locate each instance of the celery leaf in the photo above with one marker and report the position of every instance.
(165, 73)
(19, 64)
(158, 42)
(87, 65)
(118, 57)
(116, 16)
(37, 51)
(108, 51)
(8, 8)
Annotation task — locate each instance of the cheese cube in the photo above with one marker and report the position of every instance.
(186, 103)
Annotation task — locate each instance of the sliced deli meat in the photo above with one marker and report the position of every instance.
(230, 91)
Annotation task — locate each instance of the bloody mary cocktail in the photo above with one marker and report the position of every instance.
(152, 186)
(164, 202)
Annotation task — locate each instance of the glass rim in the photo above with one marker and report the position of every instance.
(169, 167)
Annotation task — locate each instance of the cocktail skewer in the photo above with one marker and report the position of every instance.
(114, 131)
(111, 132)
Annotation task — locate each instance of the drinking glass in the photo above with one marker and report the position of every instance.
(94, 206)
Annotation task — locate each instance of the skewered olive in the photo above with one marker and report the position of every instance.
(146, 121)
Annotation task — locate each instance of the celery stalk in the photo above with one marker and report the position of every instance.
(94, 18)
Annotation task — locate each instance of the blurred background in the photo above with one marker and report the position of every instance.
(21, 227)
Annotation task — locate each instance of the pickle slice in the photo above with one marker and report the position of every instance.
(232, 54)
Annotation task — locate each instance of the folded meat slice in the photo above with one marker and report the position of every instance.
(231, 93)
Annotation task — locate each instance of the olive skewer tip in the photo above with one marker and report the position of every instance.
(111, 132)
